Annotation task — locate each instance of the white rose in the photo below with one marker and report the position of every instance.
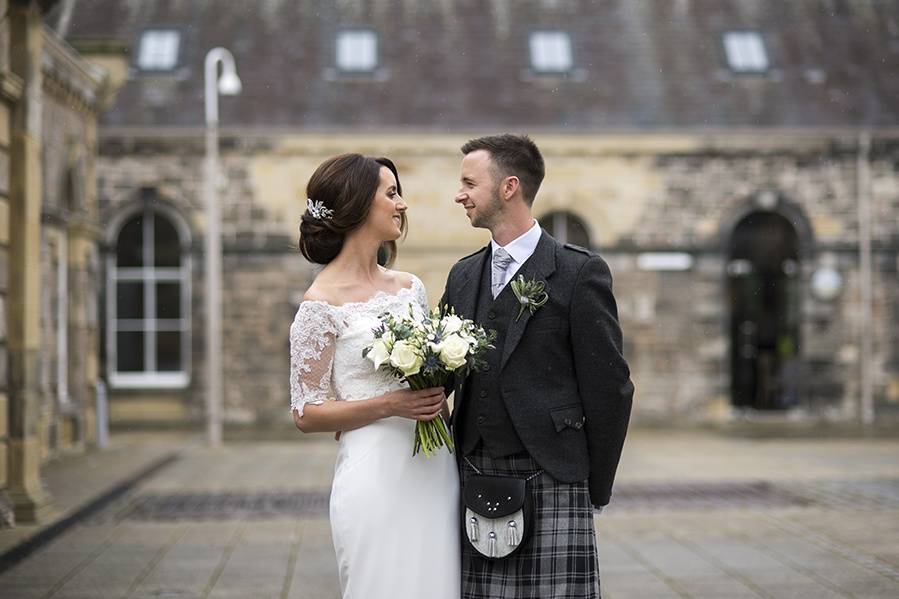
(451, 323)
(453, 350)
(405, 358)
(379, 353)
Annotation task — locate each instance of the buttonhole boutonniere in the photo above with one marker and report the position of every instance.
(530, 294)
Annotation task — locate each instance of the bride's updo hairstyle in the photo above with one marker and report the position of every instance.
(342, 189)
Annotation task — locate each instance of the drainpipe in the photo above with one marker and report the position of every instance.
(866, 399)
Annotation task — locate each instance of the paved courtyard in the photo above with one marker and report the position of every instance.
(695, 514)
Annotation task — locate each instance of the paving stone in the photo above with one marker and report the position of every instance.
(720, 590)
(719, 552)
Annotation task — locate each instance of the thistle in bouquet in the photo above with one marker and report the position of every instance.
(424, 352)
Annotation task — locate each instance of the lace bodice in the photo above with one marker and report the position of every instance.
(326, 344)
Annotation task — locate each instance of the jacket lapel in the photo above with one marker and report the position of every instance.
(540, 267)
(466, 292)
(465, 299)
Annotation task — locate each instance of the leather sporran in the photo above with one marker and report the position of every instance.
(498, 514)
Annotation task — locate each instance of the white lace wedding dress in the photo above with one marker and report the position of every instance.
(394, 517)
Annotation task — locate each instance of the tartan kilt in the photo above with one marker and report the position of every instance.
(559, 559)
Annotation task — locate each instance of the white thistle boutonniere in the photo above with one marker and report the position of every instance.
(530, 294)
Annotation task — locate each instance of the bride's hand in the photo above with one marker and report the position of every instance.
(416, 405)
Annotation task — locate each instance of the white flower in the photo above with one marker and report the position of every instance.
(406, 358)
(379, 353)
(451, 323)
(453, 350)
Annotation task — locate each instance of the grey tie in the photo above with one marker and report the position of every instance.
(501, 261)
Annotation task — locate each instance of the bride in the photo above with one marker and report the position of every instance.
(393, 516)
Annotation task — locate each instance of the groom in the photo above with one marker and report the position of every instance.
(555, 395)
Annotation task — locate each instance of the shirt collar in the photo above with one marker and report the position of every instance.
(523, 246)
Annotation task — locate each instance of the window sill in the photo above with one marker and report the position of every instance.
(149, 380)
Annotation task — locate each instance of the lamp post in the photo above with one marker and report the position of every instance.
(227, 84)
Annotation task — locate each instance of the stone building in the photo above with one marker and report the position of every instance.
(723, 156)
(49, 254)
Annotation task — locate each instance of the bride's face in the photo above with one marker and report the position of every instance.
(387, 209)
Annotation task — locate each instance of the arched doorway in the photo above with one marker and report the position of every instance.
(763, 280)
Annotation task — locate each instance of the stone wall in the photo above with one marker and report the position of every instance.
(70, 238)
(6, 99)
(636, 193)
(48, 252)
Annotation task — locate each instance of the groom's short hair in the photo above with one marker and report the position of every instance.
(513, 155)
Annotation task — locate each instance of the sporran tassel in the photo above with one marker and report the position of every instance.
(473, 529)
(512, 534)
(491, 544)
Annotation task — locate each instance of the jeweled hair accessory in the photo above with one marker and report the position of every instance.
(318, 210)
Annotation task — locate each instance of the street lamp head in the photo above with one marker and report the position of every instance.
(229, 83)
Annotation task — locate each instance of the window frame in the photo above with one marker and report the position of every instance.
(533, 40)
(148, 274)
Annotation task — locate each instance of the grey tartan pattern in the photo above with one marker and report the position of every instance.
(559, 559)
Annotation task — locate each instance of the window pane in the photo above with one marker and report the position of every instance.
(130, 299)
(745, 51)
(168, 300)
(130, 351)
(550, 51)
(159, 50)
(129, 247)
(357, 50)
(166, 244)
(168, 350)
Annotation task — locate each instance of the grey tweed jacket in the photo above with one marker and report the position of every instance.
(563, 377)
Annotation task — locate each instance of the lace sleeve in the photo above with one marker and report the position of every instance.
(421, 294)
(312, 338)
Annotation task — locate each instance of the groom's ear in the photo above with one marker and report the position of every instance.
(510, 186)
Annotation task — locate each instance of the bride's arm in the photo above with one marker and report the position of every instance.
(333, 416)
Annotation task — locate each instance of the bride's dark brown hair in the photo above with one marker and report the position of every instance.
(346, 185)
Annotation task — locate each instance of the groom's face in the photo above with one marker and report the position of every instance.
(479, 190)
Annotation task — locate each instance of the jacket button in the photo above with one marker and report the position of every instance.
(491, 315)
(578, 425)
(483, 393)
(481, 420)
(568, 422)
(486, 367)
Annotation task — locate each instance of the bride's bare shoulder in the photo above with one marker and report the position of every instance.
(400, 278)
(322, 291)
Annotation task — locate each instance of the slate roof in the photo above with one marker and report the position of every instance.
(462, 64)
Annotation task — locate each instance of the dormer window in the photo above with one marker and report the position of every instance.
(745, 51)
(550, 51)
(357, 51)
(158, 50)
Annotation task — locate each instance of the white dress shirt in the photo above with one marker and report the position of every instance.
(520, 249)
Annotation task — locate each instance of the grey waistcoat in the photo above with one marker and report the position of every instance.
(486, 417)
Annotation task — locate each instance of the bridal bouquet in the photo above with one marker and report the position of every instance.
(424, 352)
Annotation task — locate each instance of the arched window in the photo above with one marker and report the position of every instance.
(148, 304)
(566, 228)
